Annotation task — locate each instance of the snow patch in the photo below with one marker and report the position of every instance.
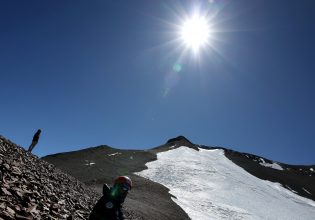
(311, 169)
(207, 185)
(89, 164)
(288, 187)
(117, 153)
(307, 191)
(273, 165)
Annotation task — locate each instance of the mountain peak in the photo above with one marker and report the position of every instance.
(180, 140)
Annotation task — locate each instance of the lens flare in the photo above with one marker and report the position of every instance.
(114, 192)
(177, 67)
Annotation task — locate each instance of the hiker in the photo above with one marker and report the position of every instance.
(109, 207)
(35, 140)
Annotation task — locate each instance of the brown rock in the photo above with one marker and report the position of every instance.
(6, 185)
(10, 211)
(3, 205)
(22, 217)
(17, 208)
(7, 166)
(5, 191)
(54, 206)
(45, 208)
(16, 171)
(62, 202)
(81, 216)
(19, 194)
(6, 215)
(32, 208)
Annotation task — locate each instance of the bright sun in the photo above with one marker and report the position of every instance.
(195, 32)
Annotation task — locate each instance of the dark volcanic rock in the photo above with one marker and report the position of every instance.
(174, 143)
(34, 189)
(180, 141)
(98, 165)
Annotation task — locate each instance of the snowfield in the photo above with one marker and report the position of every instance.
(207, 185)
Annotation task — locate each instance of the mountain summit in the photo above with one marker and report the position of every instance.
(180, 140)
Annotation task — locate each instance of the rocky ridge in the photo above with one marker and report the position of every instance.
(34, 189)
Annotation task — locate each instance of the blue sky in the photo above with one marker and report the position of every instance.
(103, 72)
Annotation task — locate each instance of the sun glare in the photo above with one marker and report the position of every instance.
(195, 32)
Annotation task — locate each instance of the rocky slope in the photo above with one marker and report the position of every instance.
(34, 189)
(98, 165)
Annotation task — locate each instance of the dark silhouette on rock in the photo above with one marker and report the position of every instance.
(35, 140)
(109, 207)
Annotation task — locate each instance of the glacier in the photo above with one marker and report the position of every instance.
(207, 185)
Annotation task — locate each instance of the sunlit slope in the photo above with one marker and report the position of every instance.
(207, 185)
